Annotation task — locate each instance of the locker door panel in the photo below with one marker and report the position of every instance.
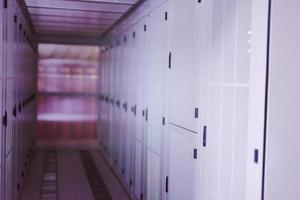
(181, 164)
(227, 155)
(1, 40)
(9, 133)
(138, 170)
(153, 176)
(157, 75)
(184, 63)
(8, 177)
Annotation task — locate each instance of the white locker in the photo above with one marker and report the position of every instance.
(184, 68)
(232, 147)
(181, 164)
(157, 31)
(8, 193)
(140, 82)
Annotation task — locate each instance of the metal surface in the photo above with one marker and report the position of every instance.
(88, 18)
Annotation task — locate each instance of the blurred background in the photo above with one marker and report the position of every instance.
(67, 82)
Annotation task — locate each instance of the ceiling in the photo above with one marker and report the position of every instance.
(89, 18)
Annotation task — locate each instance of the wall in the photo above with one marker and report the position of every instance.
(18, 87)
(182, 99)
(282, 163)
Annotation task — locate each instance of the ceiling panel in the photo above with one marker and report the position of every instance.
(76, 17)
(83, 26)
(79, 5)
(67, 19)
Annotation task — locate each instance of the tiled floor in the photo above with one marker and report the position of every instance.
(72, 182)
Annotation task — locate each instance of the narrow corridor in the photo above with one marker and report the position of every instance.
(149, 99)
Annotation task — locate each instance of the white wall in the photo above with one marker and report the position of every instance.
(283, 138)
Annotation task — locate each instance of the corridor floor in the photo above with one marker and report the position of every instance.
(79, 175)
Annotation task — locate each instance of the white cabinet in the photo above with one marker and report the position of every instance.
(184, 69)
(234, 99)
(157, 58)
(181, 164)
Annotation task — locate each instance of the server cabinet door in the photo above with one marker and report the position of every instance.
(8, 177)
(141, 92)
(231, 142)
(181, 164)
(157, 78)
(184, 67)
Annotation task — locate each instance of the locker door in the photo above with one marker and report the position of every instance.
(112, 107)
(8, 177)
(181, 164)
(121, 136)
(140, 83)
(157, 71)
(235, 82)
(133, 103)
(184, 63)
(2, 54)
(128, 114)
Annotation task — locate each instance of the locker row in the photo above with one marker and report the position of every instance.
(181, 87)
(17, 98)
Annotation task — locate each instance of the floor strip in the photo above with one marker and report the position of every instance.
(48, 189)
(97, 185)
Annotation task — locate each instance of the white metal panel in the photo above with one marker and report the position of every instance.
(229, 108)
(282, 156)
(157, 45)
(184, 66)
(181, 163)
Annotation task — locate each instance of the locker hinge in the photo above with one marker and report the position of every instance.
(204, 139)
(195, 156)
(5, 4)
(4, 119)
(122, 171)
(130, 182)
(15, 19)
(133, 34)
(196, 113)
(142, 196)
(170, 60)
(167, 184)
(166, 16)
(18, 186)
(20, 107)
(256, 155)
(145, 27)
(20, 27)
(125, 39)
(163, 121)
